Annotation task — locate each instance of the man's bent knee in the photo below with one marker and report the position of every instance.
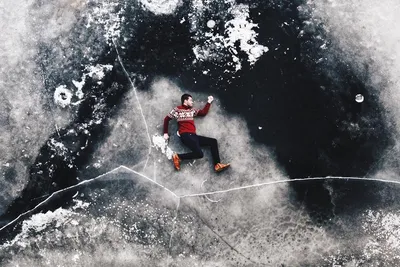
(199, 154)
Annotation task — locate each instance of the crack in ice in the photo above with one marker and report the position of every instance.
(223, 239)
(55, 193)
(173, 230)
(209, 199)
(290, 181)
(138, 101)
(205, 194)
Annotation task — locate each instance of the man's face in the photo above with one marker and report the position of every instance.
(189, 102)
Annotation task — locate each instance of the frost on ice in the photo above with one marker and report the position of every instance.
(385, 229)
(212, 45)
(109, 15)
(241, 29)
(63, 95)
(96, 72)
(41, 221)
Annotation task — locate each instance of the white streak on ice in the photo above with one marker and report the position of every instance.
(138, 102)
(292, 181)
(206, 193)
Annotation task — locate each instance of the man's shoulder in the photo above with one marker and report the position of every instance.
(183, 108)
(176, 108)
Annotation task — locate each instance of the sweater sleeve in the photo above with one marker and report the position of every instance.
(172, 114)
(204, 111)
(166, 122)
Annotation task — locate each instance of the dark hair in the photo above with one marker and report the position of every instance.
(185, 97)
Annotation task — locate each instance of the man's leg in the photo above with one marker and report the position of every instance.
(213, 144)
(192, 142)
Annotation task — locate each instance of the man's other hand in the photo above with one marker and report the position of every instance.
(210, 99)
(166, 136)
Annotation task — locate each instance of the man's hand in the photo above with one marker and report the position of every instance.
(166, 136)
(210, 99)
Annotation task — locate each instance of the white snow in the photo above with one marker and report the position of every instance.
(97, 165)
(58, 147)
(240, 28)
(214, 46)
(97, 72)
(39, 222)
(384, 230)
(385, 226)
(79, 86)
(109, 15)
(161, 7)
(161, 144)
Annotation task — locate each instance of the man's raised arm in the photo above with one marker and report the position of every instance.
(204, 111)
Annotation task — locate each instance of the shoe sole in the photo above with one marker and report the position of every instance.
(177, 167)
(223, 168)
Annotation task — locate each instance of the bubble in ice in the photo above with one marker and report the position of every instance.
(62, 96)
(211, 23)
(359, 98)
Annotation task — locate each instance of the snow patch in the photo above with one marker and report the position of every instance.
(214, 46)
(58, 147)
(161, 7)
(39, 222)
(384, 231)
(108, 14)
(96, 72)
(161, 144)
(240, 28)
(385, 227)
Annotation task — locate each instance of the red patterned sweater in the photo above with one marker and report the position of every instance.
(184, 115)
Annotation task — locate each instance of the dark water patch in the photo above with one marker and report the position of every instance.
(156, 44)
(10, 174)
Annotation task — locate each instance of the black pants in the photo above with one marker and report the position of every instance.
(194, 142)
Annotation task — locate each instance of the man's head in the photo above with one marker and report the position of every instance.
(187, 100)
